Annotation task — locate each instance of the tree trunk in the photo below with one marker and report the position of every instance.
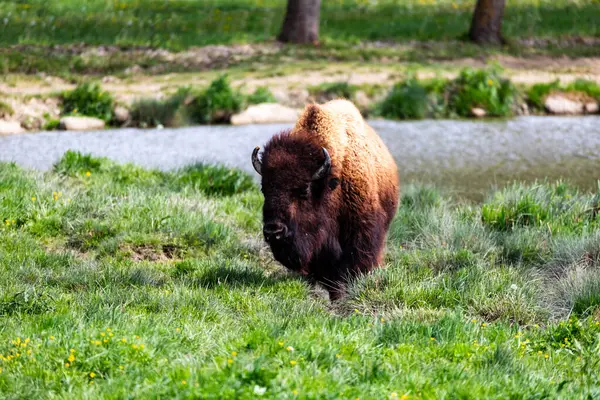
(301, 24)
(486, 26)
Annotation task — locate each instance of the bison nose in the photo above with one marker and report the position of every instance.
(275, 231)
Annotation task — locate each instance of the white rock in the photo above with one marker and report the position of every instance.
(592, 108)
(478, 112)
(556, 104)
(81, 123)
(121, 114)
(266, 113)
(10, 127)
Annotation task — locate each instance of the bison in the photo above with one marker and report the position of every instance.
(331, 189)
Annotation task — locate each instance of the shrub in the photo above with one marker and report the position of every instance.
(261, 95)
(51, 124)
(538, 92)
(407, 100)
(153, 112)
(590, 88)
(334, 90)
(482, 88)
(217, 104)
(5, 109)
(90, 100)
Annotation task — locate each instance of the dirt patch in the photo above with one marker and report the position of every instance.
(146, 252)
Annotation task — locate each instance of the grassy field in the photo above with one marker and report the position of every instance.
(119, 282)
(180, 24)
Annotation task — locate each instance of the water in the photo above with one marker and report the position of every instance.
(469, 157)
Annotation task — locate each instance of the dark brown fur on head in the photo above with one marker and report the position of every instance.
(295, 201)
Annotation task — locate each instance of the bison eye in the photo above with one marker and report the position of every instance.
(302, 192)
(334, 183)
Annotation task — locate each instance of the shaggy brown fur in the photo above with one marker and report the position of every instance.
(334, 227)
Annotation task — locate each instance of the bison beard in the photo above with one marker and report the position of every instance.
(319, 219)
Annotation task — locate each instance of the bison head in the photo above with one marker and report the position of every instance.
(298, 188)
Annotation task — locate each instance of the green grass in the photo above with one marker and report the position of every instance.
(123, 282)
(181, 24)
(536, 94)
(6, 109)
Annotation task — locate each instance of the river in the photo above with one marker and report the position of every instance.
(468, 157)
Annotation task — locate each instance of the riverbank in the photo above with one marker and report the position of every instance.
(34, 101)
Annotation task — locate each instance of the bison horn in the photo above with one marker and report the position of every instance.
(255, 161)
(324, 169)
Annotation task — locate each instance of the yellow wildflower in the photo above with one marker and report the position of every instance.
(234, 353)
(295, 392)
(229, 361)
(490, 82)
(97, 342)
(293, 362)
(71, 358)
(183, 382)
(88, 173)
(432, 338)
(281, 343)
(51, 337)
(67, 365)
(124, 340)
(92, 374)
(33, 198)
(121, 367)
(102, 334)
(289, 348)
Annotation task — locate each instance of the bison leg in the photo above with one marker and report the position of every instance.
(361, 253)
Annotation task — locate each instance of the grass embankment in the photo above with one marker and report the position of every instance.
(410, 98)
(37, 26)
(119, 281)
